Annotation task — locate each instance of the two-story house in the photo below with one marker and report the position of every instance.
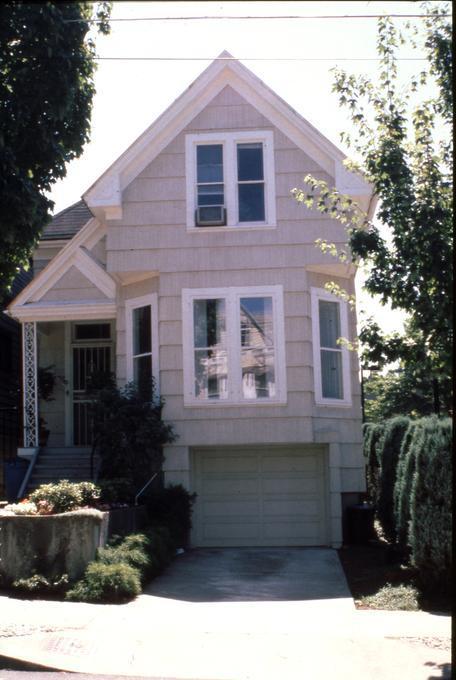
(189, 260)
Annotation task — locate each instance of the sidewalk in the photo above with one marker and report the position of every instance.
(155, 636)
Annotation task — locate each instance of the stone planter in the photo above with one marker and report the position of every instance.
(50, 545)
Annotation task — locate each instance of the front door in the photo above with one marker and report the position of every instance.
(91, 354)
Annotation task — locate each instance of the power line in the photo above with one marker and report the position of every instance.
(284, 16)
(254, 59)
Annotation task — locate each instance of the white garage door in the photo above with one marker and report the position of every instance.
(259, 497)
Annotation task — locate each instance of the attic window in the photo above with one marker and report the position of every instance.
(230, 180)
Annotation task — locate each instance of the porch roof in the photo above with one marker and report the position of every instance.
(66, 311)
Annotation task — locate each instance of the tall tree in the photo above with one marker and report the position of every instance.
(47, 68)
(404, 142)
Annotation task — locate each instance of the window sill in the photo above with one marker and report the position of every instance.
(334, 402)
(235, 227)
(222, 403)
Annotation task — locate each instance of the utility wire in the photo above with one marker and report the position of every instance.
(288, 16)
(253, 59)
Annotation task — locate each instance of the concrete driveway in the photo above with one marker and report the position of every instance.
(254, 574)
(237, 614)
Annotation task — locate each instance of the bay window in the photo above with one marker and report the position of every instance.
(331, 358)
(142, 342)
(233, 345)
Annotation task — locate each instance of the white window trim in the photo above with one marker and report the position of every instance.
(134, 303)
(322, 294)
(228, 141)
(232, 296)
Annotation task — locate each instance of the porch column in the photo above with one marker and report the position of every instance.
(30, 384)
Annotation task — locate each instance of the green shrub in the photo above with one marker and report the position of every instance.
(431, 505)
(65, 496)
(389, 448)
(40, 585)
(129, 430)
(90, 493)
(133, 550)
(172, 507)
(372, 433)
(403, 485)
(119, 490)
(106, 583)
(161, 546)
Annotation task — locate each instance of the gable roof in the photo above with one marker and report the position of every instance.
(104, 197)
(76, 253)
(67, 222)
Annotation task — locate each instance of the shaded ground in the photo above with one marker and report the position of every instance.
(253, 574)
(369, 568)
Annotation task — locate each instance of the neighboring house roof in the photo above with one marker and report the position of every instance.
(67, 222)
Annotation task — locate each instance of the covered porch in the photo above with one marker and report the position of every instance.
(60, 357)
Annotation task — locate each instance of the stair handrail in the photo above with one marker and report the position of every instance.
(27, 475)
(145, 487)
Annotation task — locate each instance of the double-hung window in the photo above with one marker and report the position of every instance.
(142, 342)
(331, 358)
(210, 193)
(230, 179)
(234, 345)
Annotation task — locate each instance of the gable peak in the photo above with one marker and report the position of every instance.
(225, 55)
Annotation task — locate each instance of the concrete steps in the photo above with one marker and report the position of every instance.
(52, 465)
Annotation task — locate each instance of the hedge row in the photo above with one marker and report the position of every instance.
(409, 480)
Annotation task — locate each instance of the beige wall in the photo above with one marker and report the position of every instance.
(153, 235)
(73, 286)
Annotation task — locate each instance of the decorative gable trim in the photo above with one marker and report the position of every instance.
(104, 197)
(82, 310)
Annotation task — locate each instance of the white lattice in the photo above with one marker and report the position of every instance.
(30, 384)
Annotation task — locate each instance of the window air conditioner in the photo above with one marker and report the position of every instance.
(210, 216)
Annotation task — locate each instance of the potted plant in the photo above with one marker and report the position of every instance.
(46, 384)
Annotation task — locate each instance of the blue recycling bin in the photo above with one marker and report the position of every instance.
(13, 474)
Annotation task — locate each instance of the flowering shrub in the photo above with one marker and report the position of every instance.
(25, 507)
(51, 499)
(65, 496)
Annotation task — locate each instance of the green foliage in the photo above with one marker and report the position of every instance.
(65, 496)
(172, 507)
(404, 479)
(409, 391)
(430, 535)
(117, 490)
(122, 566)
(47, 70)
(46, 382)
(106, 583)
(41, 585)
(403, 139)
(133, 550)
(391, 597)
(162, 545)
(130, 433)
(389, 448)
(372, 434)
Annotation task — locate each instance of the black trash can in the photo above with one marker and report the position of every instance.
(14, 473)
(360, 521)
